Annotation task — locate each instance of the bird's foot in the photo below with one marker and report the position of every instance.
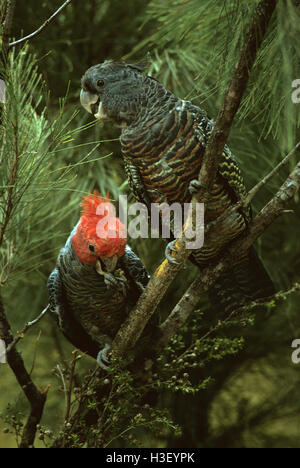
(119, 283)
(140, 286)
(168, 252)
(102, 358)
(195, 187)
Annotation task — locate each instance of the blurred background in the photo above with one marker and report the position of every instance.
(191, 46)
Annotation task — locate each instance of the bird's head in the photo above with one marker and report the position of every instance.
(100, 237)
(114, 91)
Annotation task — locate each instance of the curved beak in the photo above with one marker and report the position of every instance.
(108, 263)
(92, 103)
(89, 100)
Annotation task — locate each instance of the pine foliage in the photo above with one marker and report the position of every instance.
(52, 152)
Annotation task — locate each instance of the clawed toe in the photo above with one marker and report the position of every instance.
(102, 358)
(194, 186)
(168, 252)
(117, 283)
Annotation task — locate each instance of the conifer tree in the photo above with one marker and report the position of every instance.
(228, 384)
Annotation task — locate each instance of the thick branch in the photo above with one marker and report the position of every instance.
(132, 328)
(233, 96)
(41, 28)
(35, 398)
(209, 275)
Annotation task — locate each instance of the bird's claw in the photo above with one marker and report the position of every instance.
(102, 357)
(169, 249)
(194, 186)
(117, 283)
(140, 286)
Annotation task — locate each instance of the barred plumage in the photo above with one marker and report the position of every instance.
(89, 306)
(163, 141)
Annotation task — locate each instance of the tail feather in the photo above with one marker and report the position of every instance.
(245, 282)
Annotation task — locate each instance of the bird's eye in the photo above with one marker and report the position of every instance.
(92, 248)
(100, 83)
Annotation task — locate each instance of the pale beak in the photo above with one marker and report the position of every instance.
(99, 268)
(92, 103)
(109, 264)
(88, 99)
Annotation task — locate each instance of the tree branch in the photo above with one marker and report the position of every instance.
(251, 194)
(209, 275)
(131, 330)
(35, 398)
(41, 28)
(26, 328)
(75, 358)
(13, 174)
(7, 24)
(246, 200)
(233, 96)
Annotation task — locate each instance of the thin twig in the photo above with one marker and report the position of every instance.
(41, 28)
(63, 381)
(251, 194)
(36, 343)
(26, 328)
(7, 267)
(121, 434)
(246, 200)
(70, 385)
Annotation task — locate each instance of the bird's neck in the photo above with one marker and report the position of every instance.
(156, 102)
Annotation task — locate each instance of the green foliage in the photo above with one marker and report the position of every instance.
(28, 148)
(224, 383)
(208, 36)
(123, 418)
(13, 422)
